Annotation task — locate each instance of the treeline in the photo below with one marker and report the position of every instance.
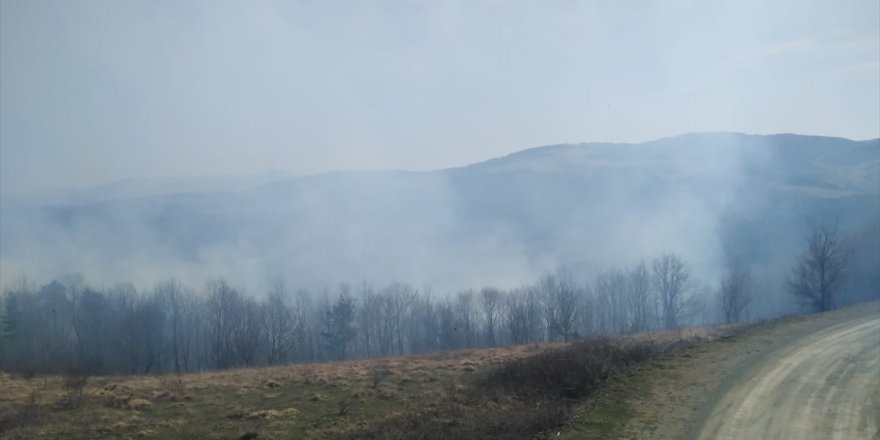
(174, 328)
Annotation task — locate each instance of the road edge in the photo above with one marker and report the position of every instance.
(749, 366)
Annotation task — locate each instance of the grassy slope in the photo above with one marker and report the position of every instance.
(659, 398)
(299, 401)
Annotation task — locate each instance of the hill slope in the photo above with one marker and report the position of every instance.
(715, 198)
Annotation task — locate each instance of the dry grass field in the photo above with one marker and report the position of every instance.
(297, 401)
(517, 391)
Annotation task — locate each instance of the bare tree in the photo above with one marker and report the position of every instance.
(224, 302)
(448, 334)
(303, 311)
(401, 297)
(639, 297)
(587, 316)
(523, 315)
(279, 324)
(124, 300)
(465, 316)
(386, 322)
(671, 280)
(170, 295)
(424, 324)
(136, 323)
(90, 328)
(150, 320)
(819, 274)
(370, 319)
(490, 303)
(248, 334)
(735, 294)
(611, 296)
(192, 345)
(516, 317)
(560, 304)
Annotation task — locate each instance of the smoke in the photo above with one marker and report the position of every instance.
(717, 200)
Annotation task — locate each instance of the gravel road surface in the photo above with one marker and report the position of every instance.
(823, 386)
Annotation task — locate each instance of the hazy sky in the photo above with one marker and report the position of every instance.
(94, 91)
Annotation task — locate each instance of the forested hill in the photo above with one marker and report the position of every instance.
(715, 198)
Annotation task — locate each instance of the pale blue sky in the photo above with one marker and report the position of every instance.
(95, 91)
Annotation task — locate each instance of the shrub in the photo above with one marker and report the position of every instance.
(174, 385)
(571, 372)
(522, 398)
(74, 382)
(377, 375)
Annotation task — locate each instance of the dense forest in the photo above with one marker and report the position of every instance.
(176, 328)
(69, 325)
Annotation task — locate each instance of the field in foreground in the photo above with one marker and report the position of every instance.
(640, 386)
(520, 391)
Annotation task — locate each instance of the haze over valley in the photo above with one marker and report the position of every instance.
(717, 199)
(493, 220)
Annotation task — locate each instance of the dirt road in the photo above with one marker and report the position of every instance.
(823, 386)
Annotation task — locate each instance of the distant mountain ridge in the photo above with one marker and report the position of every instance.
(862, 156)
(716, 198)
(134, 188)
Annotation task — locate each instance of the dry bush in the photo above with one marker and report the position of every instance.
(139, 404)
(173, 385)
(571, 372)
(74, 383)
(263, 414)
(343, 407)
(378, 375)
(237, 414)
(117, 396)
(521, 397)
(122, 397)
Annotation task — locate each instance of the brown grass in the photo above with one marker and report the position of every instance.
(306, 401)
(525, 396)
(441, 395)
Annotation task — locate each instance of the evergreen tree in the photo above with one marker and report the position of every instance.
(339, 327)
